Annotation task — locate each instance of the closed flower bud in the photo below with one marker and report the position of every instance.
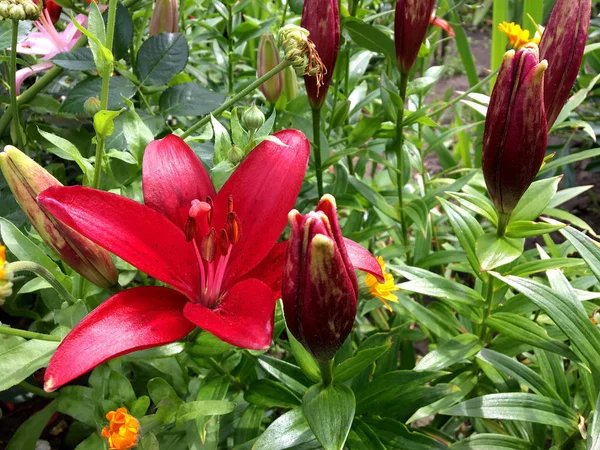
(235, 155)
(17, 12)
(516, 133)
(165, 17)
(253, 118)
(410, 27)
(27, 180)
(562, 45)
(92, 106)
(290, 84)
(319, 286)
(268, 59)
(322, 20)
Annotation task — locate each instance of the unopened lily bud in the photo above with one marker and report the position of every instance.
(27, 179)
(319, 286)
(92, 105)
(235, 155)
(563, 45)
(6, 276)
(516, 133)
(253, 118)
(165, 17)
(410, 27)
(267, 60)
(290, 84)
(322, 20)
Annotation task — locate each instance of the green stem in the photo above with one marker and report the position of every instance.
(503, 219)
(13, 83)
(29, 334)
(230, 53)
(110, 33)
(326, 371)
(489, 300)
(400, 157)
(316, 119)
(36, 390)
(243, 93)
(41, 271)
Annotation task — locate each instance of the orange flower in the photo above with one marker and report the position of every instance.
(382, 291)
(122, 431)
(6, 276)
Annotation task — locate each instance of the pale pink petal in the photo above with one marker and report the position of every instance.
(23, 74)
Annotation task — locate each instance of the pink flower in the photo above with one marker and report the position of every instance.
(47, 42)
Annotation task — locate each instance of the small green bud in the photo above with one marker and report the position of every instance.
(235, 155)
(253, 118)
(91, 106)
(17, 12)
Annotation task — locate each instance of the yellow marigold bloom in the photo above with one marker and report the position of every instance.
(382, 291)
(6, 276)
(122, 431)
(517, 37)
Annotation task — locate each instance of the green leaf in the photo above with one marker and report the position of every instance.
(95, 442)
(248, 427)
(445, 289)
(455, 350)
(120, 390)
(528, 332)
(119, 88)
(136, 132)
(369, 37)
(467, 230)
(77, 402)
(222, 141)
(536, 199)
(329, 411)
(19, 361)
(161, 57)
(396, 436)
(579, 156)
(494, 251)
(66, 150)
(78, 59)
(375, 198)
(531, 267)
(287, 431)
(29, 432)
(304, 359)
(214, 389)
(517, 406)
(351, 367)
(476, 203)
(594, 428)
(489, 441)
(287, 373)
(519, 371)
(573, 322)
(104, 122)
(189, 99)
(586, 247)
(193, 410)
(25, 250)
(526, 228)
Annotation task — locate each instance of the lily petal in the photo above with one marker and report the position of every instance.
(270, 269)
(173, 176)
(264, 189)
(23, 74)
(363, 260)
(244, 318)
(131, 320)
(141, 236)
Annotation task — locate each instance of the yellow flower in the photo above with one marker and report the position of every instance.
(6, 276)
(517, 37)
(122, 431)
(382, 291)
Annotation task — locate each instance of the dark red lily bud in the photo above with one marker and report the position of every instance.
(53, 9)
(319, 288)
(322, 19)
(516, 133)
(562, 45)
(410, 28)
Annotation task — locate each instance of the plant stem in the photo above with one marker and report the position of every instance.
(489, 300)
(230, 53)
(326, 372)
(41, 271)
(503, 219)
(110, 33)
(400, 157)
(27, 387)
(243, 93)
(13, 83)
(316, 119)
(29, 334)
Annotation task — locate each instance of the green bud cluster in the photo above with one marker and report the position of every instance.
(19, 10)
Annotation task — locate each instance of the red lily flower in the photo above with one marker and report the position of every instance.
(218, 251)
(443, 24)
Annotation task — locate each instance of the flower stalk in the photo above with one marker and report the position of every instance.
(400, 156)
(13, 83)
(42, 272)
(28, 334)
(316, 120)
